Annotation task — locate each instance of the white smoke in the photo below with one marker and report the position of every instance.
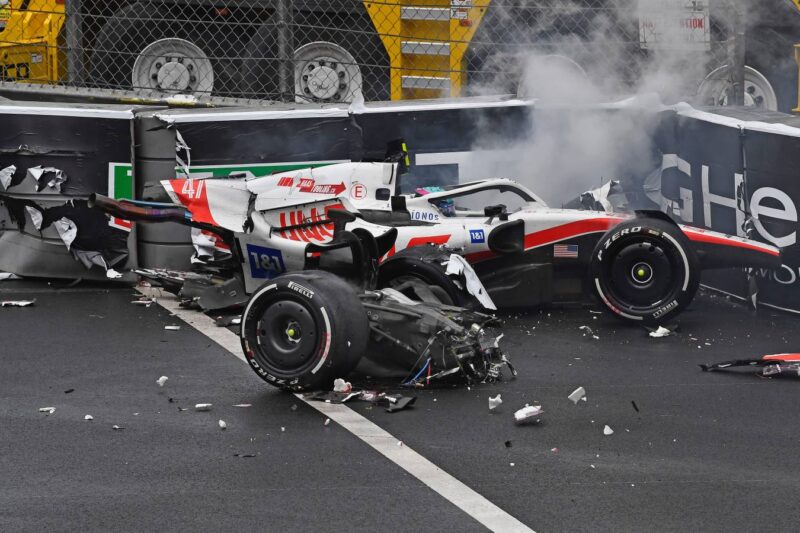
(576, 141)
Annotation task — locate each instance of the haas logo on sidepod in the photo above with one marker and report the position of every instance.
(314, 230)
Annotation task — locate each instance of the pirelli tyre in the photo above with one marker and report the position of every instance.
(644, 270)
(420, 272)
(301, 331)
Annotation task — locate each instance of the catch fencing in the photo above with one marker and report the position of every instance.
(342, 50)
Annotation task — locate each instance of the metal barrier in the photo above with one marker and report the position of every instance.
(341, 50)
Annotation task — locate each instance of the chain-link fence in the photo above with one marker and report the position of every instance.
(338, 50)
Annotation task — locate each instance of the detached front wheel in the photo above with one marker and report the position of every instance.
(644, 270)
(301, 331)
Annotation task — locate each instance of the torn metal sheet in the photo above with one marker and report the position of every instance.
(180, 146)
(6, 175)
(36, 216)
(458, 266)
(609, 198)
(67, 230)
(48, 177)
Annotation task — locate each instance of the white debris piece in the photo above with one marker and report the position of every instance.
(172, 328)
(495, 402)
(36, 216)
(147, 302)
(162, 380)
(117, 428)
(48, 410)
(67, 230)
(340, 385)
(510, 464)
(607, 430)
(660, 332)
(456, 266)
(113, 274)
(16, 303)
(180, 144)
(88, 417)
(6, 175)
(327, 421)
(243, 405)
(222, 424)
(5, 276)
(283, 429)
(203, 407)
(528, 413)
(586, 330)
(577, 395)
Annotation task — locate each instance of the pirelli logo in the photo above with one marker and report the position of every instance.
(305, 291)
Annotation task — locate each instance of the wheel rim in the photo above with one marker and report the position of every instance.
(173, 66)
(325, 72)
(287, 339)
(758, 91)
(641, 276)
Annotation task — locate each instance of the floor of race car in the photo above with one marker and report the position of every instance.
(690, 450)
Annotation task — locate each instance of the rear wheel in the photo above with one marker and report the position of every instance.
(302, 330)
(644, 270)
(421, 274)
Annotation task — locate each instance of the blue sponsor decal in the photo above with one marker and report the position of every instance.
(265, 263)
(477, 236)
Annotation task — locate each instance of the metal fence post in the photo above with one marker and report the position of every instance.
(737, 56)
(285, 50)
(74, 42)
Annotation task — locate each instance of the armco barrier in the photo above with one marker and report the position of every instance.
(729, 173)
(90, 146)
(737, 171)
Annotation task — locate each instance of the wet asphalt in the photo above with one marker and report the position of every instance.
(690, 450)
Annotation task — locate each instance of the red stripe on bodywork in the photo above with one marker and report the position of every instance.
(699, 236)
(556, 234)
(567, 231)
(789, 357)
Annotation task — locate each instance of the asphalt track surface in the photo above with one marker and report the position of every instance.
(691, 451)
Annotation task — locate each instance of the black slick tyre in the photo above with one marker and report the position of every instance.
(644, 270)
(300, 331)
(420, 268)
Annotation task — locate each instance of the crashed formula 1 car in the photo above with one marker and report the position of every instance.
(303, 329)
(642, 266)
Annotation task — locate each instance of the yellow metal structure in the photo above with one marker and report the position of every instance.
(426, 41)
(29, 46)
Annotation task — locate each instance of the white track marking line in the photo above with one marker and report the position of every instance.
(451, 489)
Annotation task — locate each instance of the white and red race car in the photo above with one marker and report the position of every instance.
(643, 266)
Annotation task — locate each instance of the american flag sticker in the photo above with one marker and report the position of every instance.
(568, 251)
